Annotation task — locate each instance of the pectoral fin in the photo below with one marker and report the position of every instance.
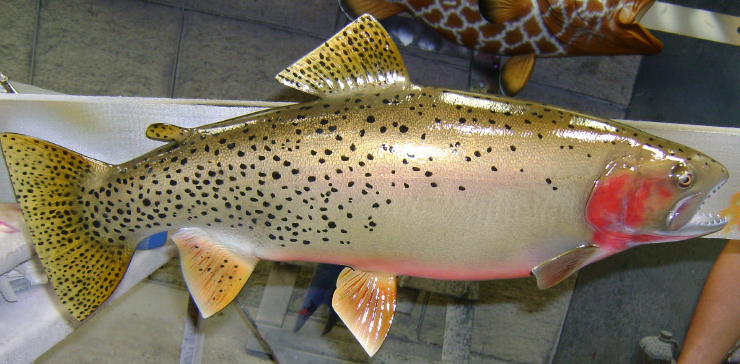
(516, 73)
(366, 303)
(378, 8)
(555, 270)
(213, 272)
(501, 11)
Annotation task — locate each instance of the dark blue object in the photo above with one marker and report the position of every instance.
(154, 241)
(320, 291)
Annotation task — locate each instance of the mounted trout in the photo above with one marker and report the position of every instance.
(524, 29)
(378, 174)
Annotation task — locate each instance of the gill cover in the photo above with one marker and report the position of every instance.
(647, 197)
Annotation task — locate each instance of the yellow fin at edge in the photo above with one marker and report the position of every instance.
(366, 303)
(360, 56)
(166, 132)
(516, 73)
(501, 11)
(555, 270)
(378, 8)
(213, 272)
(84, 262)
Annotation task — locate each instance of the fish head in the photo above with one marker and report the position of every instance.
(654, 194)
(606, 27)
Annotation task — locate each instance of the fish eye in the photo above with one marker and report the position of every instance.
(684, 179)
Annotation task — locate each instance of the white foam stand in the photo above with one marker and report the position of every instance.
(31, 326)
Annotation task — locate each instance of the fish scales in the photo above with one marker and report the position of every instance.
(366, 181)
(378, 174)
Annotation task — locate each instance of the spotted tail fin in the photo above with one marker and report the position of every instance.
(83, 260)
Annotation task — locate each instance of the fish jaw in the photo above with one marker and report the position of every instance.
(632, 34)
(653, 196)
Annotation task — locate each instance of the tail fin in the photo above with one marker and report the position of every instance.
(83, 260)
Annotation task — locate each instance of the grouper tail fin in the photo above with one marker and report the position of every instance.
(55, 187)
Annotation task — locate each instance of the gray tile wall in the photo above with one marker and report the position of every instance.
(229, 49)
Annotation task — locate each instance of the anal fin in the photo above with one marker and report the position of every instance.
(555, 270)
(213, 272)
(366, 303)
(166, 132)
(516, 73)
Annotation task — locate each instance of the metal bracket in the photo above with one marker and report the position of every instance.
(6, 86)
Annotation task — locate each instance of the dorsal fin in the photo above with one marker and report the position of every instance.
(166, 132)
(360, 56)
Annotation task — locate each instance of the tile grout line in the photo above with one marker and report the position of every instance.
(173, 81)
(34, 42)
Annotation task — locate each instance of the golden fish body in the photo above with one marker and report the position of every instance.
(414, 181)
(378, 174)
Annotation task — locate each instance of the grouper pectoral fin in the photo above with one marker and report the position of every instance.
(166, 132)
(379, 9)
(366, 303)
(213, 272)
(555, 270)
(516, 73)
(501, 11)
(360, 56)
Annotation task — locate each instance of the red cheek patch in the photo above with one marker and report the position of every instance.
(605, 209)
(620, 206)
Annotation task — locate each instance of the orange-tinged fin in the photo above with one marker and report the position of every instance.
(213, 272)
(366, 303)
(516, 73)
(51, 183)
(378, 8)
(360, 56)
(555, 270)
(166, 132)
(501, 11)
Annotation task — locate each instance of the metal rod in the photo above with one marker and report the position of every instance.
(192, 336)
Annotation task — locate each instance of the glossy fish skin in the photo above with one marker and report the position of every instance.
(366, 181)
(471, 157)
(311, 166)
(378, 174)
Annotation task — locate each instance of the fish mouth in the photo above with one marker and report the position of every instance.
(636, 35)
(681, 222)
(700, 224)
